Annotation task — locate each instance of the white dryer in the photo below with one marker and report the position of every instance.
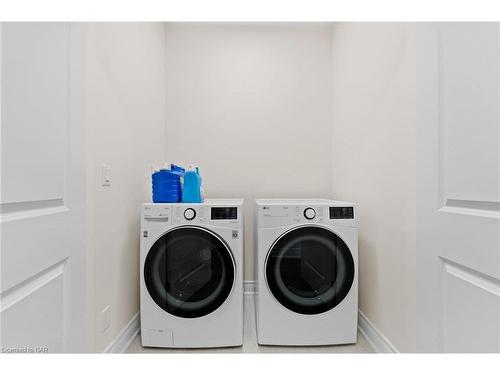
(191, 274)
(306, 259)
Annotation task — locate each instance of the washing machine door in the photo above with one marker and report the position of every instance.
(189, 272)
(309, 270)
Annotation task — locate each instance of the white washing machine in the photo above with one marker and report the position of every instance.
(306, 260)
(191, 274)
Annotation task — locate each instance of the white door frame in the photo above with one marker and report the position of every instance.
(78, 327)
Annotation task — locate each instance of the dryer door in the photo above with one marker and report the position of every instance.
(189, 272)
(309, 270)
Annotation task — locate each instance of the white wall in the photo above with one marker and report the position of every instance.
(251, 104)
(125, 101)
(373, 154)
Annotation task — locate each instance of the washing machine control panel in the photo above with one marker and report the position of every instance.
(192, 214)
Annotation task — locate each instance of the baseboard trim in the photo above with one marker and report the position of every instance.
(249, 287)
(375, 338)
(123, 340)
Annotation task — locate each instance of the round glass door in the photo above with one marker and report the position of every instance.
(309, 270)
(189, 272)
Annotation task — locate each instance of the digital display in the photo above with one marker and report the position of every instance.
(341, 212)
(224, 213)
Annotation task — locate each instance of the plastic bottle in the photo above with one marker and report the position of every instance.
(166, 185)
(191, 191)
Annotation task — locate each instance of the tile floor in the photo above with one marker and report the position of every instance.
(250, 342)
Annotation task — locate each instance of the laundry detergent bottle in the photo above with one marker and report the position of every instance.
(166, 184)
(192, 190)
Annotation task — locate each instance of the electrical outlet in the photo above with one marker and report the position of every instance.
(105, 318)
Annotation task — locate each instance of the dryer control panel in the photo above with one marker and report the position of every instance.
(274, 215)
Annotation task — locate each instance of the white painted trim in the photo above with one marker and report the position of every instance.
(249, 286)
(123, 340)
(375, 338)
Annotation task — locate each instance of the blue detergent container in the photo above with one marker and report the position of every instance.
(167, 185)
(192, 191)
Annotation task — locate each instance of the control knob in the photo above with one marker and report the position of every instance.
(189, 214)
(309, 213)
